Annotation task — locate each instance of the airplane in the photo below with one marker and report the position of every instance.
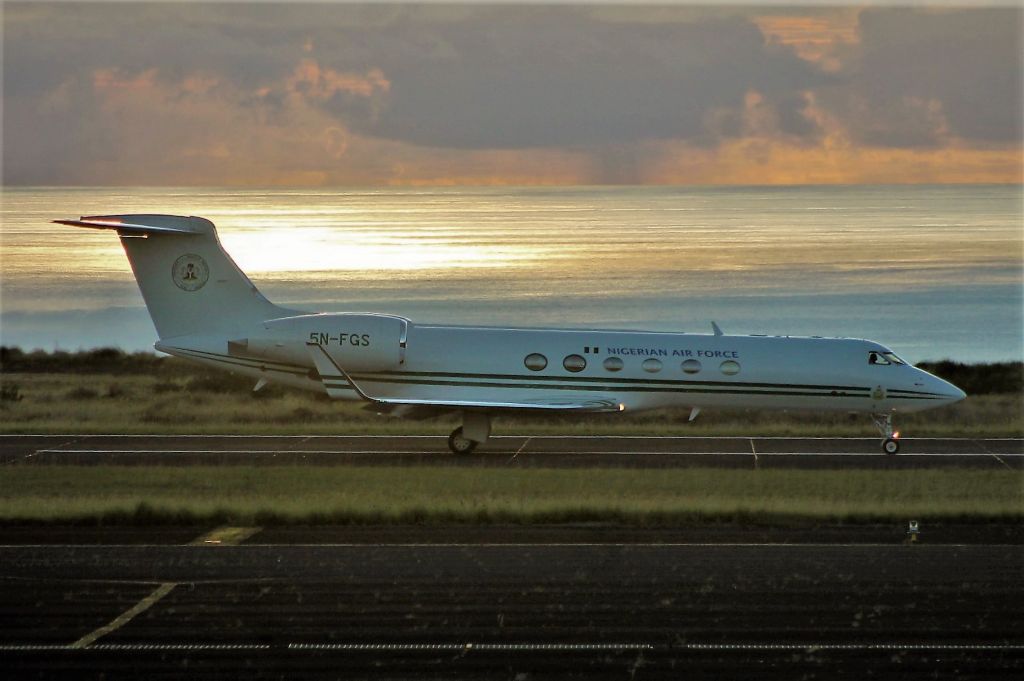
(205, 309)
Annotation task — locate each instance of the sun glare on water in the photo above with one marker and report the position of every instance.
(911, 265)
(291, 249)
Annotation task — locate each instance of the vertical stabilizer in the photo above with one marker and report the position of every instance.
(190, 284)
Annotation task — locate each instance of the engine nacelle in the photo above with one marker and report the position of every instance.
(357, 342)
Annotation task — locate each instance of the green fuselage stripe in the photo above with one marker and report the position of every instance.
(612, 388)
(602, 379)
(843, 390)
(578, 383)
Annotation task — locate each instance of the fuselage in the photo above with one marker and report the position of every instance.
(395, 358)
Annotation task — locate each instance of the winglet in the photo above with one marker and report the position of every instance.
(714, 327)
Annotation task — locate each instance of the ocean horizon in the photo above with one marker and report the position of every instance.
(933, 272)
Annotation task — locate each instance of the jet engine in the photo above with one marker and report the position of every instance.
(357, 342)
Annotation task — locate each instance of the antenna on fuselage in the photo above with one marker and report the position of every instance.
(718, 331)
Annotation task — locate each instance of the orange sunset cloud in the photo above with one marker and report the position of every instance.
(484, 95)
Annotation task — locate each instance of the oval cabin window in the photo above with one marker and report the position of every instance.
(730, 368)
(652, 366)
(574, 363)
(613, 364)
(535, 361)
(691, 366)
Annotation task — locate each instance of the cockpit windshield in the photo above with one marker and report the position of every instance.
(884, 358)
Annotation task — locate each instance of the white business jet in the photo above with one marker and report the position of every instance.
(206, 310)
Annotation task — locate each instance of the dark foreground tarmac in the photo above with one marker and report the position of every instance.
(506, 602)
(814, 606)
(512, 451)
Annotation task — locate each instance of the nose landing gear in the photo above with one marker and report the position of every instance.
(891, 443)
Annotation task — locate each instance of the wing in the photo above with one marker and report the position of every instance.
(337, 382)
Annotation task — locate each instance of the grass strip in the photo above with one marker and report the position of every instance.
(103, 403)
(427, 495)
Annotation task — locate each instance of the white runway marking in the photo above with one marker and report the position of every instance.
(1006, 465)
(125, 617)
(520, 449)
(981, 444)
(469, 646)
(26, 457)
(446, 455)
(507, 437)
(139, 647)
(898, 545)
(227, 536)
(853, 646)
(507, 647)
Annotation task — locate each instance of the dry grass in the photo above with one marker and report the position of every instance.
(108, 403)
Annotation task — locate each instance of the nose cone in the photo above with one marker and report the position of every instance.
(949, 392)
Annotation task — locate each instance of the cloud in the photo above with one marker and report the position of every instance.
(817, 34)
(151, 128)
(352, 94)
(775, 162)
(310, 79)
(558, 77)
(918, 77)
(113, 79)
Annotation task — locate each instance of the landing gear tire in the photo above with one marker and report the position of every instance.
(459, 443)
(891, 443)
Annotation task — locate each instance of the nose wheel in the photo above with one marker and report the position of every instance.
(891, 443)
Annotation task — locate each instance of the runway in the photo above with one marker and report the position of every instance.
(512, 451)
(545, 602)
(530, 610)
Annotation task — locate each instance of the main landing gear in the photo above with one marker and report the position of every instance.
(474, 431)
(891, 443)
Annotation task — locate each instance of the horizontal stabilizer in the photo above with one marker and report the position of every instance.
(176, 225)
(337, 379)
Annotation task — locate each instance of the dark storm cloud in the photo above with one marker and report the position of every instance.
(559, 77)
(916, 71)
(45, 44)
(461, 77)
(233, 92)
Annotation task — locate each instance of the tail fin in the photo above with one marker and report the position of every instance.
(190, 284)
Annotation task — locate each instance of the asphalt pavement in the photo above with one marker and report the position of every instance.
(510, 602)
(513, 451)
(817, 607)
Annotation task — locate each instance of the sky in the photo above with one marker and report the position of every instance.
(331, 94)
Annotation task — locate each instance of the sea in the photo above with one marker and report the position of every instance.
(934, 272)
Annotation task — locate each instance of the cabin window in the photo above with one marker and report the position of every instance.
(652, 366)
(613, 364)
(574, 363)
(729, 367)
(535, 361)
(691, 366)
